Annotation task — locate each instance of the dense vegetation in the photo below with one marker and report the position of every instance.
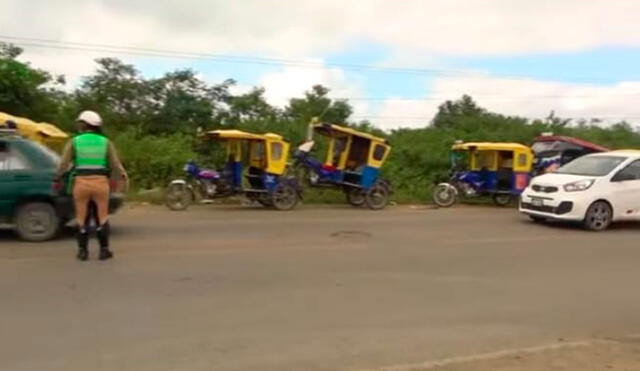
(154, 121)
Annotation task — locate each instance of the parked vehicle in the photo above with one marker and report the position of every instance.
(204, 185)
(554, 151)
(43, 133)
(595, 190)
(498, 170)
(264, 155)
(31, 201)
(352, 163)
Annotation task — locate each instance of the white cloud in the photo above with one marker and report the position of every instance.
(310, 27)
(536, 99)
(73, 65)
(292, 82)
(398, 112)
(411, 30)
(527, 98)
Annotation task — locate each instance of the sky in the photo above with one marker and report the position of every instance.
(395, 61)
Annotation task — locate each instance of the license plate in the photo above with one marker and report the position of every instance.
(537, 202)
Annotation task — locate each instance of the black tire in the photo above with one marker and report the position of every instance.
(598, 216)
(284, 197)
(537, 219)
(179, 197)
(387, 184)
(355, 196)
(37, 222)
(265, 201)
(304, 175)
(445, 195)
(377, 197)
(502, 199)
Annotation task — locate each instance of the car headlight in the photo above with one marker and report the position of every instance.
(580, 185)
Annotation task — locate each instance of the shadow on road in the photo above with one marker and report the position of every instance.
(7, 235)
(575, 226)
(67, 233)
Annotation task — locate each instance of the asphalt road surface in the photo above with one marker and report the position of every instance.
(330, 288)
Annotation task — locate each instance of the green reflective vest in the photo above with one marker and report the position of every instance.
(91, 152)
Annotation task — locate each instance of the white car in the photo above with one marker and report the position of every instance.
(595, 190)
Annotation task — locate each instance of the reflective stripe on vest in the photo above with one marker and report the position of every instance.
(91, 152)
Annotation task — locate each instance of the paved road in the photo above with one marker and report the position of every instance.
(231, 288)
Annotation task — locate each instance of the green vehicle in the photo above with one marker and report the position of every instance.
(31, 201)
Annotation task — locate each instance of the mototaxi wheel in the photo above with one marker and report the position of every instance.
(355, 196)
(178, 197)
(445, 195)
(265, 201)
(502, 199)
(304, 175)
(284, 196)
(377, 197)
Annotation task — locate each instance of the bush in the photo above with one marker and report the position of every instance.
(152, 161)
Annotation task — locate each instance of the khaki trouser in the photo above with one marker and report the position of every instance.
(91, 188)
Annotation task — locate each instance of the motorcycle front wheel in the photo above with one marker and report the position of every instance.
(178, 197)
(445, 195)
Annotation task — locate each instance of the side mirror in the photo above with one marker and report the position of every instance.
(623, 177)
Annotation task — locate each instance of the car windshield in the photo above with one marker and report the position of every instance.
(591, 165)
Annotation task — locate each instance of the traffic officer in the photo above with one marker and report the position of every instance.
(91, 157)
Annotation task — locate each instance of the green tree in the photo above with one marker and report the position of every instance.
(451, 112)
(181, 102)
(316, 103)
(117, 92)
(27, 91)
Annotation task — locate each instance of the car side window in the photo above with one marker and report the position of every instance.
(11, 160)
(631, 172)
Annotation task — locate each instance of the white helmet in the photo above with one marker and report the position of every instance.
(90, 118)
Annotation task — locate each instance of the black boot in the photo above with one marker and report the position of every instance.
(103, 237)
(83, 242)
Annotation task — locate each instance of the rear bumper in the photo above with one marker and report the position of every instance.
(115, 202)
(64, 207)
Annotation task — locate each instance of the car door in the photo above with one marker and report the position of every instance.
(15, 175)
(626, 192)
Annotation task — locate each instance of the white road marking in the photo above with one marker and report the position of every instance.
(488, 356)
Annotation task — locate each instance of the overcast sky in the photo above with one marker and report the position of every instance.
(578, 58)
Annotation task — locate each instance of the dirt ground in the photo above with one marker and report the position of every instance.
(581, 356)
(234, 288)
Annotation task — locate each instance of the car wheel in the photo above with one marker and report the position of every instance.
(598, 216)
(37, 221)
